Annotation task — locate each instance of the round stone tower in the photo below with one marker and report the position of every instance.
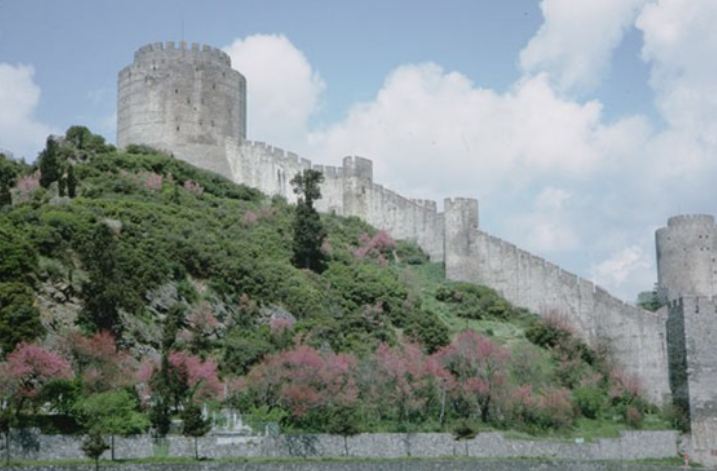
(686, 257)
(183, 100)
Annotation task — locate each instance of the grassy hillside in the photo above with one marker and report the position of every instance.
(377, 341)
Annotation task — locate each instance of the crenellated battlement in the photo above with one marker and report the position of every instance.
(691, 220)
(172, 51)
(359, 167)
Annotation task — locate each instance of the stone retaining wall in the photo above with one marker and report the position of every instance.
(374, 465)
(635, 445)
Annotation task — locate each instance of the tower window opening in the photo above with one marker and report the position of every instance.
(177, 128)
(214, 86)
(176, 90)
(189, 101)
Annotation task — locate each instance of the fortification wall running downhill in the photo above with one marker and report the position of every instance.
(637, 338)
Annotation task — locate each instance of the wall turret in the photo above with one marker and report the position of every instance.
(182, 99)
(461, 223)
(686, 257)
(358, 181)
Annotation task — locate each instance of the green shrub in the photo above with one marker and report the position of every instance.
(428, 329)
(590, 401)
(243, 348)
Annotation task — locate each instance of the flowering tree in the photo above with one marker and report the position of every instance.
(201, 326)
(100, 364)
(303, 380)
(405, 379)
(378, 246)
(22, 376)
(152, 181)
(199, 376)
(479, 367)
(193, 187)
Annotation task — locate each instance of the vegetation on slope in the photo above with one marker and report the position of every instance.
(176, 287)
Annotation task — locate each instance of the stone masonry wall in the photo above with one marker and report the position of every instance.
(348, 190)
(372, 465)
(686, 257)
(692, 333)
(635, 445)
(182, 99)
(637, 338)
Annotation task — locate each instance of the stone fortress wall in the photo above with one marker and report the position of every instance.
(348, 190)
(686, 281)
(182, 99)
(190, 102)
(637, 337)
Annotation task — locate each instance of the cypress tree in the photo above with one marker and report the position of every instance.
(62, 186)
(309, 233)
(50, 168)
(71, 182)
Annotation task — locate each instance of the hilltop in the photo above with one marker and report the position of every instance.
(119, 249)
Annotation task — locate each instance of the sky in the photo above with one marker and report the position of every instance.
(580, 125)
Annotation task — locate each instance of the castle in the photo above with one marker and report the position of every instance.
(187, 100)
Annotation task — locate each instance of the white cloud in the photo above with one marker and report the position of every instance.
(469, 137)
(577, 38)
(547, 227)
(20, 132)
(629, 262)
(680, 43)
(283, 89)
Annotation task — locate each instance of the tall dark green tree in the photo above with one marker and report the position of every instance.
(309, 233)
(71, 181)
(194, 425)
(103, 293)
(93, 446)
(167, 383)
(8, 175)
(19, 318)
(50, 163)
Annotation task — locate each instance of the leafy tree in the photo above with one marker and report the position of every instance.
(93, 446)
(50, 163)
(309, 233)
(111, 413)
(428, 329)
(19, 259)
(19, 318)
(243, 348)
(9, 171)
(103, 293)
(78, 136)
(194, 425)
(5, 195)
(649, 300)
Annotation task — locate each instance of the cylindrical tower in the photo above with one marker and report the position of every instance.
(187, 101)
(686, 257)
